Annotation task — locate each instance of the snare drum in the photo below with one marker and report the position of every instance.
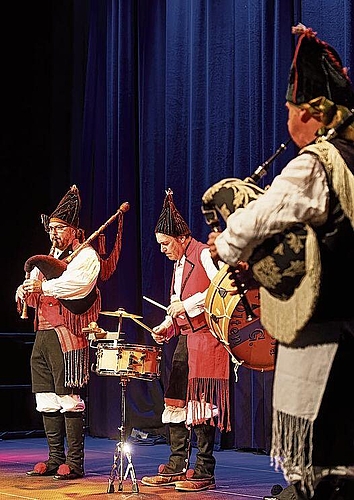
(130, 360)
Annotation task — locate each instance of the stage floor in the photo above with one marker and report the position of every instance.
(239, 475)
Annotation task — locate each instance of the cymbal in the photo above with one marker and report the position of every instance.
(120, 313)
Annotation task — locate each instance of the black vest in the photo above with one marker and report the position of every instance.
(336, 243)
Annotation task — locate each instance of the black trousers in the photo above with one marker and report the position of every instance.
(178, 380)
(47, 364)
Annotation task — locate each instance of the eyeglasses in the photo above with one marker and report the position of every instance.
(56, 229)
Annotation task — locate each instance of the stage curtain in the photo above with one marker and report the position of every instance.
(176, 94)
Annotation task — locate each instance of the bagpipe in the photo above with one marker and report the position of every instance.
(278, 264)
(52, 268)
(227, 195)
(232, 304)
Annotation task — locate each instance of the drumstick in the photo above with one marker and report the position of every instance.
(142, 324)
(155, 303)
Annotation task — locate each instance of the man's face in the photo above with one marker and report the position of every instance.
(294, 121)
(302, 126)
(171, 246)
(61, 235)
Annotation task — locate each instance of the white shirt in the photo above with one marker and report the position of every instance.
(299, 194)
(193, 305)
(77, 280)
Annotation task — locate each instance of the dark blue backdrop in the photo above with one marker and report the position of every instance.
(143, 95)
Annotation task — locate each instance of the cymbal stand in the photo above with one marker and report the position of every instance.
(122, 451)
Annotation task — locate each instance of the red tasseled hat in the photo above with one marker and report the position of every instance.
(317, 71)
(67, 210)
(171, 221)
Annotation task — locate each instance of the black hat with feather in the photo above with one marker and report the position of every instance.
(317, 71)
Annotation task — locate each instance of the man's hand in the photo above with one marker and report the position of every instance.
(20, 293)
(159, 334)
(212, 247)
(175, 309)
(32, 286)
(242, 266)
(238, 275)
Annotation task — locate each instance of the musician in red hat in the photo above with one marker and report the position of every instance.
(313, 412)
(197, 396)
(66, 299)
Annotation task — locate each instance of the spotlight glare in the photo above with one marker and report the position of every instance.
(126, 448)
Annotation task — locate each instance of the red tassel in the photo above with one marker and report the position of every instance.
(101, 244)
(109, 264)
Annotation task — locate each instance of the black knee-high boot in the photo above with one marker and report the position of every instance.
(180, 450)
(205, 461)
(177, 465)
(55, 433)
(74, 464)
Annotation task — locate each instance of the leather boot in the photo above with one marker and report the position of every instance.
(74, 464)
(205, 460)
(202, 476)
(54, 428)
(175, 469)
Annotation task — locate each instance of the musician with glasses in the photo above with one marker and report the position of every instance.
(311, 200)
(65, 299)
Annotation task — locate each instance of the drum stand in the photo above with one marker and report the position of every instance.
(122, 451)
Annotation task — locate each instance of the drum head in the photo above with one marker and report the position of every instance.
(246, 338)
